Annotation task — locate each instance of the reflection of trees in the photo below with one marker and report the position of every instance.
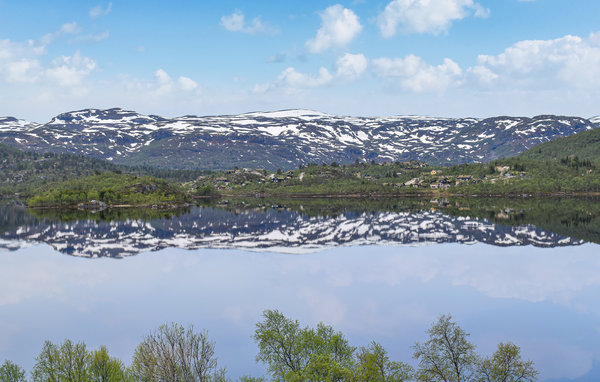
(107, 215)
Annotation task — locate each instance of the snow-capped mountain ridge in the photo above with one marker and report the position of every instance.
(14, 124)
(283, 139)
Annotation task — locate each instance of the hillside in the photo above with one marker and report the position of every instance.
(584, 145)
(101, 190)
(283, 139)
(22, 172)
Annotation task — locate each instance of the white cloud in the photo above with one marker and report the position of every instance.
(351, 66)
(22, 70)
(233, 22)
(426, 16)
(294, 79)
(187, 84)
(99, 11)
(416, 75)
(65, 29)
(482, 74)
(19, 62)
(339, 26)
(70, 70)
(91, 38)
(566, 62)
(236, 22)
(163, 84)
(348, 67)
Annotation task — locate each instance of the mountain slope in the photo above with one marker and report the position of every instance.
(22, 172)
(585, 145)
(282, 139)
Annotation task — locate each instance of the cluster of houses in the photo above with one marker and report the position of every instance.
(241, 176)
(438, 182)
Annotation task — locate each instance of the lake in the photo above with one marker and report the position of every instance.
(521, 270)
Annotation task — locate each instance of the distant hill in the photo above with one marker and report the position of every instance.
(282, 139)
(584, 145)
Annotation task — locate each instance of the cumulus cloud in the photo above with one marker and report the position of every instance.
(294, 79)
(186, 83)
(164, 84)
(70, 70)
(339, 26)
(21, 70)
(233, 22)
(236, 22)
(348, 67)
(351, 66)
(416, 75)
(99, 11)
(426, 16)
(569, 61)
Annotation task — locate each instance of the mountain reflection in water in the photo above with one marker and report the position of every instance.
(300, 226)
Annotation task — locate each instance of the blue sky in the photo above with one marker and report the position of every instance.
(359, 57)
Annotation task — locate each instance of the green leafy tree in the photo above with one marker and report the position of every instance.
(374, 365)
(447, 355)
(104, 368)
(48, 364)
(67, 362)
(11, 372)
(295, 353)
(506, 365)
(74, 361)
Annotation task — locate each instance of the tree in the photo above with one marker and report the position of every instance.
(11, 372)
(104, 368)
(74, 360)
(295, 353)
(374, 365)
(506, 365)
(173, 353)
(447, 355)
(67, 362)
(47, 366)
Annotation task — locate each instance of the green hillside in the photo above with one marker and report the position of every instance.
(584, 146)
(22, 172)
(111, 189)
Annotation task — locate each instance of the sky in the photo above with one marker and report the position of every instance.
(447, 58)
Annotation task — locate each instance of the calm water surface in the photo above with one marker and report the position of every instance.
(381, 275)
